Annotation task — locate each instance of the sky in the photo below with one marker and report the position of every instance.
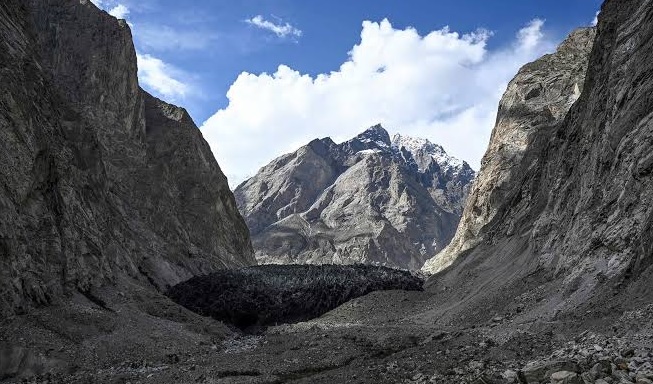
(263, 77)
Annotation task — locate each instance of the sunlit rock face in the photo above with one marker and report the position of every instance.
(372, 199)
(537, 99)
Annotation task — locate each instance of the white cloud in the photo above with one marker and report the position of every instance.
(120, 11)
(596, 18)
(531, 35)
(443, 86)
(161, 78)
(281, 30)
(117, 10)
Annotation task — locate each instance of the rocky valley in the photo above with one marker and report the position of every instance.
(110, 198)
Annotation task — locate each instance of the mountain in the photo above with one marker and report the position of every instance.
(536, 100)
(562, 207)
(371, 199)
(102, 184)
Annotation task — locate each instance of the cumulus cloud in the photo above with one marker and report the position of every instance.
(281, 30)
(530, 36)
(161, 78)
(596, 18)
(117, 10)
(443, 86)
(120, 11)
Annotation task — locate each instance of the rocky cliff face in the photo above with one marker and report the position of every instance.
(371, 199)
(538, 98)
(101, 182)
(564, 196)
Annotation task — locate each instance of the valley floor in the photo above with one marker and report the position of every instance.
(371, 339)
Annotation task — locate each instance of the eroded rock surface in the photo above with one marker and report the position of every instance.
(371, 199)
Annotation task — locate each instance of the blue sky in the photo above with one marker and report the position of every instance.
(444, 87)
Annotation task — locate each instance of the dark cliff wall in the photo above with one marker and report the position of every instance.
(99, 180)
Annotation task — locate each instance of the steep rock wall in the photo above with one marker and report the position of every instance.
(536, 100)
(100, 180)
(575, 218)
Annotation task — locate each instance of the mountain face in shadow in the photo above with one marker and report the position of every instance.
(101, 182)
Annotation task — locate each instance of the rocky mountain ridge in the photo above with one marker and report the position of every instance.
(371, 199)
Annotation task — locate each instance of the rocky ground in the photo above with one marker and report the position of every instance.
(367, 340)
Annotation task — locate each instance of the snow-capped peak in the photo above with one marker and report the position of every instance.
(375, 134)
(417, 145)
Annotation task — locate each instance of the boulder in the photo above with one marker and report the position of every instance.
(565, 377)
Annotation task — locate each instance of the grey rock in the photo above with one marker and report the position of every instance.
(503, 269)
(101, 183)
(569, 209)
(622, 376)
(542, 370)
(628, 352)
(601, 369)
(586, 378)
(368, 200)
(476, 365)
(565, 377)
(510, 376)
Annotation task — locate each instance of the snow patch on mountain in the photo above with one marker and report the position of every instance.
(368, 152)
(418, 145)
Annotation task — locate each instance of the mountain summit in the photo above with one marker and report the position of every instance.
(371, 199)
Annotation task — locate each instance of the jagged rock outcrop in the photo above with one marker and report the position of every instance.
(570, 207)
(100, 181)
(368, 200)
